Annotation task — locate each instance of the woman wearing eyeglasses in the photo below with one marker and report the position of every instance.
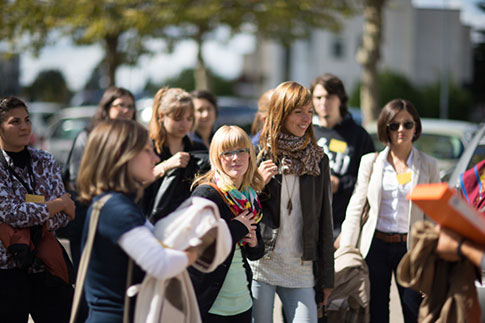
(224, 295)
(385, 235)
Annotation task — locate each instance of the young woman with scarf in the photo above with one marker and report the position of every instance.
(297, 206)
(224, 295)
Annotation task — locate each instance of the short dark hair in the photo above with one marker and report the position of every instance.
(390, 110)
(8, 103)
(334, 86)
(204, 94)
(110, 95)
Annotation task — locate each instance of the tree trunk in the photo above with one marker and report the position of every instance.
(286, 61)
(368, 56)
(112, 58)
(200, 72)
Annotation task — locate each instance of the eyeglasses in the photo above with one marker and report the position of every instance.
(240, 152)
(394, 126)
(123, 106)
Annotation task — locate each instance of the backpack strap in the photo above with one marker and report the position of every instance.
(86, 255)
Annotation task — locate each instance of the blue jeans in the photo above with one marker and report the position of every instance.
(382, 260)
(298, 303)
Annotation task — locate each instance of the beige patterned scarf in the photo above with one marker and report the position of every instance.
(298, 155)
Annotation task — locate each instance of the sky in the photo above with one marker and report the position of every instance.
(224, 55)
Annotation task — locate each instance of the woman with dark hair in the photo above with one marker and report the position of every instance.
(181, 158)
(297, 207)
(34, 274)
(205, 115)
(384, 181)
(342, 140)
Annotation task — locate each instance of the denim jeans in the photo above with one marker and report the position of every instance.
(298, 303)
(382, 260)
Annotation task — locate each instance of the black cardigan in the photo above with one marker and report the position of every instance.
(208, 285)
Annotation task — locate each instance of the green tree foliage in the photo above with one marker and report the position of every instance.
(49, 86)
(186, 81)
(426, 98)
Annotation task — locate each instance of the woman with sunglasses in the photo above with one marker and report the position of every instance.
(385, 180)
(224, 295)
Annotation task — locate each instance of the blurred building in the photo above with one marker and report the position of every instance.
(416, 43)
(10, 74)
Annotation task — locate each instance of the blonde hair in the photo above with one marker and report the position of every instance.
(104, 166)
(173, 103)
(226, 138)
(286, 97)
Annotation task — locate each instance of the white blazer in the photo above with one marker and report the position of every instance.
(425, 170)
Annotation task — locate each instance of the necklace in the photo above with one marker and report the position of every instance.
(289, 206)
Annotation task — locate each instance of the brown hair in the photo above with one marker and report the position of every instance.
(334, 86)
(8, 103)
(226, 138)
(104, 166)
(110, 95)
(390, 110)
(287, 97)
(263, 105)
(171, 102)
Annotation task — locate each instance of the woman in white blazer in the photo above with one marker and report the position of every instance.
(385, 180)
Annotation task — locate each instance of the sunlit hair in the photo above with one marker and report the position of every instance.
(228, 138)
(170, 102)
(263, 105)
(390, 110)
(287, 97)
(109, 96)
(334, 86)
(104, 166)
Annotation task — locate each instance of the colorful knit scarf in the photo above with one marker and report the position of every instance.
(239, 201)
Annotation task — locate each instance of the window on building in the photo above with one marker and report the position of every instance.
(337, 48)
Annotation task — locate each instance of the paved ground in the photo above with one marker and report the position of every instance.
(395, 307)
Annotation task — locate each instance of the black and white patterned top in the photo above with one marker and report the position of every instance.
(15, 211)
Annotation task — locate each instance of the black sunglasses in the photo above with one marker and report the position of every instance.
(394, 126)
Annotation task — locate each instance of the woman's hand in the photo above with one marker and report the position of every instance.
(179, 160)
(192, 254)
(267, 170)
(251, 238)
(62, 204)
(326, 295)
(245, 218)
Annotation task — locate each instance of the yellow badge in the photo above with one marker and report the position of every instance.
(404, 178)
(31, 198)
(337, 146)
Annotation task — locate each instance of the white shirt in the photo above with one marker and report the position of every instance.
(394, 208)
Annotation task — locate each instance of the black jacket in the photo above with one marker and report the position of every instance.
(344, 165)
(207, 286)
(165, 194)
(316, 202)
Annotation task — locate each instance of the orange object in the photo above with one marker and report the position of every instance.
(444, 205)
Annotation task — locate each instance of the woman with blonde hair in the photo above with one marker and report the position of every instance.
(181, 158)
(224, 295)
(297, 223)
(119, 161)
